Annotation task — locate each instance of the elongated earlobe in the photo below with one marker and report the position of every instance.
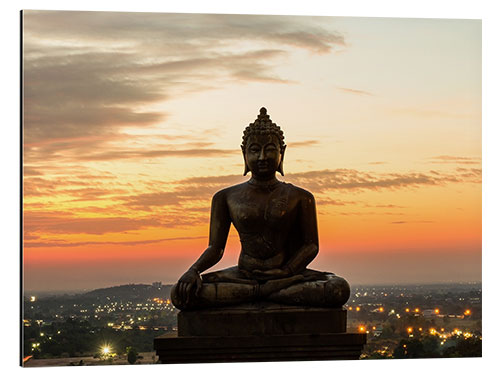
(245, 162)
(280, 166)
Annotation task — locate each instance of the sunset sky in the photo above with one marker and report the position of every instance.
(132, 121)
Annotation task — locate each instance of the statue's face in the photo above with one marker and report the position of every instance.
(263, 155)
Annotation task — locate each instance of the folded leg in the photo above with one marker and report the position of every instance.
(330, 291)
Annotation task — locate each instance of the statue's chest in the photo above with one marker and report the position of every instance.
(254, 210)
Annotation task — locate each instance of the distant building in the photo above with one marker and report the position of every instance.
(157, 284)
(428, 313)
(377, 332)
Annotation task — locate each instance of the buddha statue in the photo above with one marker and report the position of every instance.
(277, 226)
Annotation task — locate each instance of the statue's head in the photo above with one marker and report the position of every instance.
(263, 146)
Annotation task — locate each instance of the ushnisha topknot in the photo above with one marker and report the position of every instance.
(263, 125)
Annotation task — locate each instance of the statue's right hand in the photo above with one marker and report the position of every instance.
(186, 283)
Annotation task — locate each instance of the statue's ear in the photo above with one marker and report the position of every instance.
(245, 161)
(280, 166)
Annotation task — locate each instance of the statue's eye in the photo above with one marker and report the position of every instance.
(271, 148)
(254, 149)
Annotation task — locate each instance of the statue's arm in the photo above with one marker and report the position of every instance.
(220, 222)
(309, 228)
(219, 228)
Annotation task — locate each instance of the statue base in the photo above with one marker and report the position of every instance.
(260, 332)
(275, 348)
(259, 319)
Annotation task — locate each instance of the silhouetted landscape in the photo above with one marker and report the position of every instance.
(105, 326)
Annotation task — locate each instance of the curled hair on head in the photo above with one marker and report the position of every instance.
(263, 125)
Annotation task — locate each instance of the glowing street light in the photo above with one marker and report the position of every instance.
(358, 308)
(407, 309)
(410, 329)
(467, 312)
(436, 311)
(106, 351)
(362, 329)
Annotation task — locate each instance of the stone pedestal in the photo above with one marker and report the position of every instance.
(315, 347)
(260, 332)
(261, 319)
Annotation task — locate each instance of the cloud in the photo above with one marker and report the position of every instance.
(428, 113)
(413, 222)
(181, 33)
(60, 222)
(386, 206)
(320, 182)
(364, 213)
(316, 42)
(309, 143)
(448, 159)
(354, 91)
(324, 181)
(185, 202)
(157, 195)
(149, 154)
(88, 75)
(145, 201)
(74, 187)
(63, 222)
(327, 201)
(90, 243)
(351, 179)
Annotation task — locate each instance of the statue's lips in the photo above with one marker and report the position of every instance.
(264, 165)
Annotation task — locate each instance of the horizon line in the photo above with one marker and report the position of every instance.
(360, 285)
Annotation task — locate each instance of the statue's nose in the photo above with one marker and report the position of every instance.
(262, 155)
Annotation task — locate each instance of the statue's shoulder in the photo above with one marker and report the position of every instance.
(228, 191)
(298, 192)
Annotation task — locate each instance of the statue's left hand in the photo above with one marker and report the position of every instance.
(275, 273)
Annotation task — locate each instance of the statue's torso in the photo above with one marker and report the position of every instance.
(264, 219)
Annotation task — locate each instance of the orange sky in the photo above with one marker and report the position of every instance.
(133, 121)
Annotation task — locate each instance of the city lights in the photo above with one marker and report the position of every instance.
(385, 323)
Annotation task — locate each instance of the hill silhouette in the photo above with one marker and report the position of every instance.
(129, 292)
